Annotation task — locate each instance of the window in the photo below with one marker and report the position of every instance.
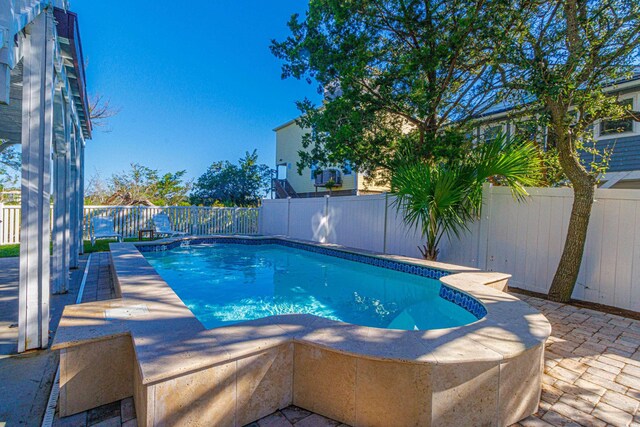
(347, 168)
(324, 177)
(611, 127)
(527, 130)
(491, 132)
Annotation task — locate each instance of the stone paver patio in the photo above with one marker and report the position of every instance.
(592, 370)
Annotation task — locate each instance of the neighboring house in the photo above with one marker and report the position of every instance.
(312, 182)
(622, 137)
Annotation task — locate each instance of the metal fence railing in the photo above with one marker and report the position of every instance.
(128, 220)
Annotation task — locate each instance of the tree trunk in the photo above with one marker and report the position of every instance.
(567, 273)
(429, 253)
(583, 191)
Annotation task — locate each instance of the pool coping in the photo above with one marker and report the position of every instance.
(169, 341)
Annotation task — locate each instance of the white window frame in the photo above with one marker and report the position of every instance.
(635, 125)
(541, 134)
(350, 168)
(484, 128)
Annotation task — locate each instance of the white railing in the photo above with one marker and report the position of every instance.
(128, 220)
(9, 224)
(196, 220)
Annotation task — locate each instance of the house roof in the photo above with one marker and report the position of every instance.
(506, 106)
(284, 125)
(69, 36)
(68, 62)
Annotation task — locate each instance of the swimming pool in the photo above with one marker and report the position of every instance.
(225, 283)
(180, 372)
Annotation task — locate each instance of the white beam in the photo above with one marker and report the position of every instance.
(73, 199)
(613, 178)
(61, 224)
(6, 16)
(5, 84)
(81, 195)
(37, 134)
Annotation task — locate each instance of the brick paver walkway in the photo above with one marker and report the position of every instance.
(99, 286)
(592, 370)
(298, 417)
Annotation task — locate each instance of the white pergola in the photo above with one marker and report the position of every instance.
(43, 107)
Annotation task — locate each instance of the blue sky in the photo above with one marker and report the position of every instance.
(194, 84)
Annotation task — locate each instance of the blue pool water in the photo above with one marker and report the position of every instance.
(224, 284)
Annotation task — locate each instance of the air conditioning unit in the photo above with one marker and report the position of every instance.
(328, 175)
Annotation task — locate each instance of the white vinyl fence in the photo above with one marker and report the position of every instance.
(524, 239)
(128, 220)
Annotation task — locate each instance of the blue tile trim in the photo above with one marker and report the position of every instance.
(465, 301)
(450, 294)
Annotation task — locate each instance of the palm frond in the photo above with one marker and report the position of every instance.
(512, 161)
(443, 198)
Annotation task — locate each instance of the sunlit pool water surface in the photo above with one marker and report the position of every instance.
(224, 284)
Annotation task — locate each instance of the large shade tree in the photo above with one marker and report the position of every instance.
(9, 166)
(395, 73)
(569, 53)
(140, 185)
(228, 184)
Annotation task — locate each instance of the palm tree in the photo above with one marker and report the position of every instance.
(443, 197)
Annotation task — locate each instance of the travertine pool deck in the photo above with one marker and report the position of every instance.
(589, 350)
(181, 373)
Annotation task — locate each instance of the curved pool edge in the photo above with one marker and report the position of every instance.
(500, 354)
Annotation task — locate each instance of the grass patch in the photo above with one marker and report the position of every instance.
(7, 251)
(103, 244)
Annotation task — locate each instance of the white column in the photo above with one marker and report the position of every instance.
(81, 196)
(6, 55)
(37, 133)
(61, 210)
(2, 224)
(73, 199)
